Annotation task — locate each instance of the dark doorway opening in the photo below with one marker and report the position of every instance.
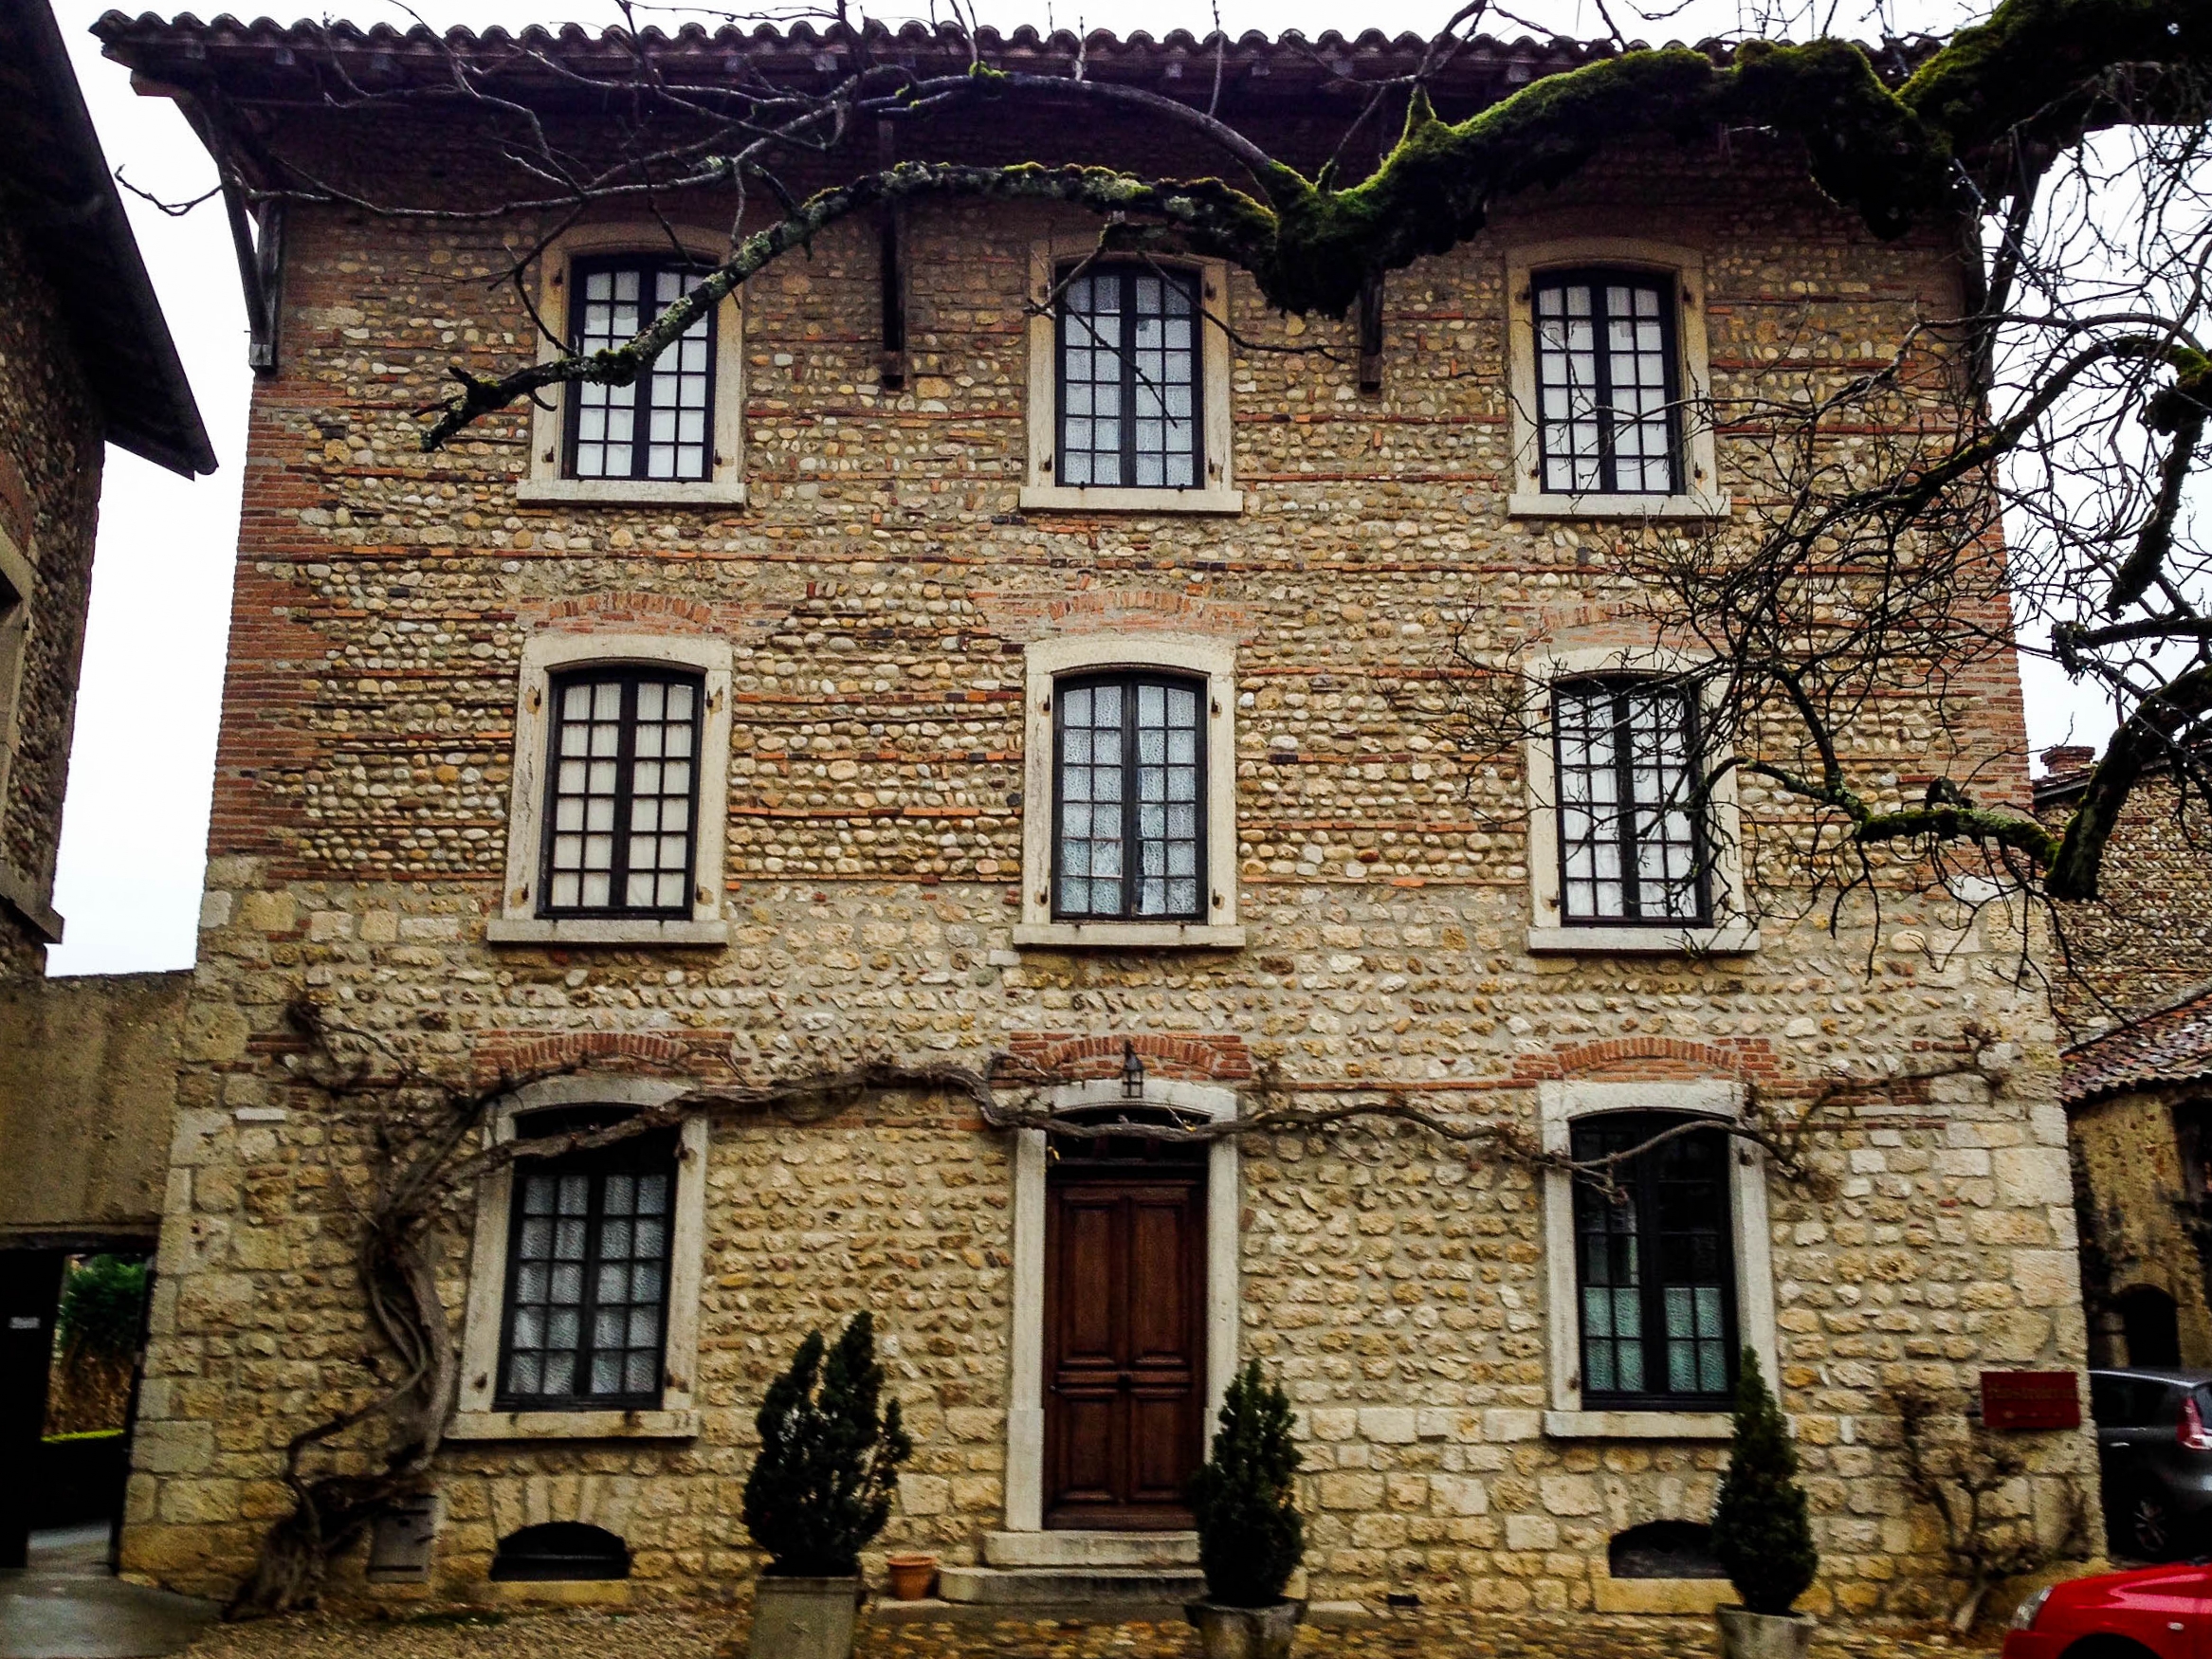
(1125, 1328)
(2152, 1324)
(31, 1287)
(70, 1353)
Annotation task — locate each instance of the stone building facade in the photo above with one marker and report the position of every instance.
(85, 360)
(882, 597)
(2133, 991)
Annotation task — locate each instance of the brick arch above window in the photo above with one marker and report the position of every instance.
(1190, 1056)
(549, 478)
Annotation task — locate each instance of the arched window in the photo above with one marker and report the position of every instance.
(1607, 383)
(1655, 1265)
(559, 1550)
(587, 1270)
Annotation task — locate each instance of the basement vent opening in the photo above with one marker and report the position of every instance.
(560, 1550)
(1663, 1549)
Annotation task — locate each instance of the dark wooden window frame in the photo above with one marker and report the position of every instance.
(1125, 270)
(1699, 805)
(1129, 679)
(645, 1154)
(1642, 1177)
(651, 265)
(629, 679)
(1670, 290)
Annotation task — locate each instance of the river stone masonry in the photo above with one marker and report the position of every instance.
(877, 589)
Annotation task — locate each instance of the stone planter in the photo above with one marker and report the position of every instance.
(1246, 1632)
(1746, 1634)
(910, 1573)
(803, 1618)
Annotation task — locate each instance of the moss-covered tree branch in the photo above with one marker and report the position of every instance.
(1892, 156)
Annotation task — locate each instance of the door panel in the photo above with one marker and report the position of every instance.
(1123, 1337)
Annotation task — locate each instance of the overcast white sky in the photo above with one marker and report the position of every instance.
(135, 833)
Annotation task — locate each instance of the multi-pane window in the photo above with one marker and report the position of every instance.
(662, 424)
(1129, 365)
(1607, 404)
(1632, 846)
(588, 1273)
(1653, 1264)
(1129, 791)
(623, 793)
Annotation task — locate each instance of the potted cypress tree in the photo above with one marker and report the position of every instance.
(820, 1491)
(1251, 1535)
(1760, 1531)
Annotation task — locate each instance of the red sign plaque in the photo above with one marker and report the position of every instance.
(2031, 1399)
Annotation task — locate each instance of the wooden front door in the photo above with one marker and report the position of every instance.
(1124, 1334)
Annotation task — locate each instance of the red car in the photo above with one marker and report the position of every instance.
(2165, 1610)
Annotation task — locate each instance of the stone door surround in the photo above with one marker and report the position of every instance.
(1025, 1417)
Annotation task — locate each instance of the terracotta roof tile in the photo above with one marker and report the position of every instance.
(2172, 1044)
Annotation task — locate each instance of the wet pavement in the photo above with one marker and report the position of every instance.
(67, 1605)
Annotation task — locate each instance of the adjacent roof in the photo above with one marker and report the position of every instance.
(54, 181)
(268, 59)
(2168, 1046)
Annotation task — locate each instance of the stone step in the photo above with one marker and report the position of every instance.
(1035, 1586)
(1091, 1549)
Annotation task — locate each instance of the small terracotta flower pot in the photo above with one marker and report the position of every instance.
(911, 1575)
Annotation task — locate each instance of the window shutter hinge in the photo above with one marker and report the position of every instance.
(1218, 901)
(536, 699)
(548, 458)
(1046, 706)
(1044, 898)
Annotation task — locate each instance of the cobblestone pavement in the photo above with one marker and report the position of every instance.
(713, 1636)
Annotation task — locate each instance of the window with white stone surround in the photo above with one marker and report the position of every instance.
(1634, 836)
(675, 436)
(1129, 796)
(1651, 1296)
(582, 1317)
(621, 791)
(1128, 383)
(1610, 380)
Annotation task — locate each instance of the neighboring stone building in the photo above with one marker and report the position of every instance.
(2139, 1099)
(2132, 988)
(86, 361)
(870, 668)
